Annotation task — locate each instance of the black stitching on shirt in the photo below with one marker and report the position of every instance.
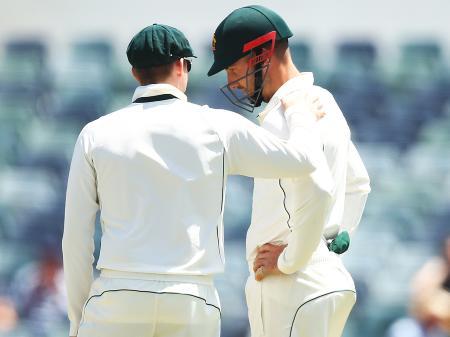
(284, 204)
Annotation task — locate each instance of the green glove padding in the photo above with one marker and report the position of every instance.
(340, 243)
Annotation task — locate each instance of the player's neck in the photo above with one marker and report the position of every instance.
(280, 74)
(287, 71)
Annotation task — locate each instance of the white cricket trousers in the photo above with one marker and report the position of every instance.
(313, 302)
(151, 305)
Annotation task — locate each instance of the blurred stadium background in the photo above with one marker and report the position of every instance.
(63, 64)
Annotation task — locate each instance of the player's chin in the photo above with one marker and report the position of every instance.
(265, 99)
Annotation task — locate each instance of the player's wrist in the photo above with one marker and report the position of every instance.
(282, 264)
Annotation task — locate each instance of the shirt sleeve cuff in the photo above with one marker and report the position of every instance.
(282, 264)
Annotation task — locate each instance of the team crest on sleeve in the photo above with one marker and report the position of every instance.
(213, 44)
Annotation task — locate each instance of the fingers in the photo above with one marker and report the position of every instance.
(317, 104)
(269, 247)
(293, 98)
(318, 108)
(260, 274)
(304, 103)
(259, 262)
(269, 262)
(267, 256)
(264, 249)
(320, 114)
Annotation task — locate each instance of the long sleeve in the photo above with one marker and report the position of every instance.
(336, 152)
(79, 227)
(253, 151)
(309, 218)
(312, 203)
(357, 189)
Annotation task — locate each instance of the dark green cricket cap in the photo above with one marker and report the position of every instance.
(241, 26)
(157, 45)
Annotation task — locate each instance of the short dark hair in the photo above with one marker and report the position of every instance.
(155, 74)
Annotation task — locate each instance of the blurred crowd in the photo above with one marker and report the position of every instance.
(399, 113)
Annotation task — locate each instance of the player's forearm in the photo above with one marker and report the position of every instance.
(358, 180)
(353, 210)
(258, 153)
(78, 276)
(78, 249)
(79, 227)
(306, 233)
(334, 221)
(356, 191)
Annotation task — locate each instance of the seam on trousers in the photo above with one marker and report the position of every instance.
(261, 315)
(315, 298)
(145, 291)
(155, 310)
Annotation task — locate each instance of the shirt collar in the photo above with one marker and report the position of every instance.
(158, 89)
(305, 79)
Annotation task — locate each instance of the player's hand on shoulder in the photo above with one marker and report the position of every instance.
(302, 102)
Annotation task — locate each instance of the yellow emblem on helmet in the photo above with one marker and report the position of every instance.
(214, 42)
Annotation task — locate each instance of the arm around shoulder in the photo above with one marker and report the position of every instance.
(253, 151)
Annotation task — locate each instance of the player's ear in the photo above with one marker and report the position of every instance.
(135, 74)
(178, 64)
(264, 50)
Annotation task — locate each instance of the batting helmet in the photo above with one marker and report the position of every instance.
(245, 31)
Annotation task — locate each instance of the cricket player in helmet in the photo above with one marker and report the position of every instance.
(298, 285)
(254, 38)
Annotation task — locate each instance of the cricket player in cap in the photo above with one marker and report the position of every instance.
(156, 171)
(298, 285)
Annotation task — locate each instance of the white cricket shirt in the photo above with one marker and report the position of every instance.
(157, 172)
(284, 210)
